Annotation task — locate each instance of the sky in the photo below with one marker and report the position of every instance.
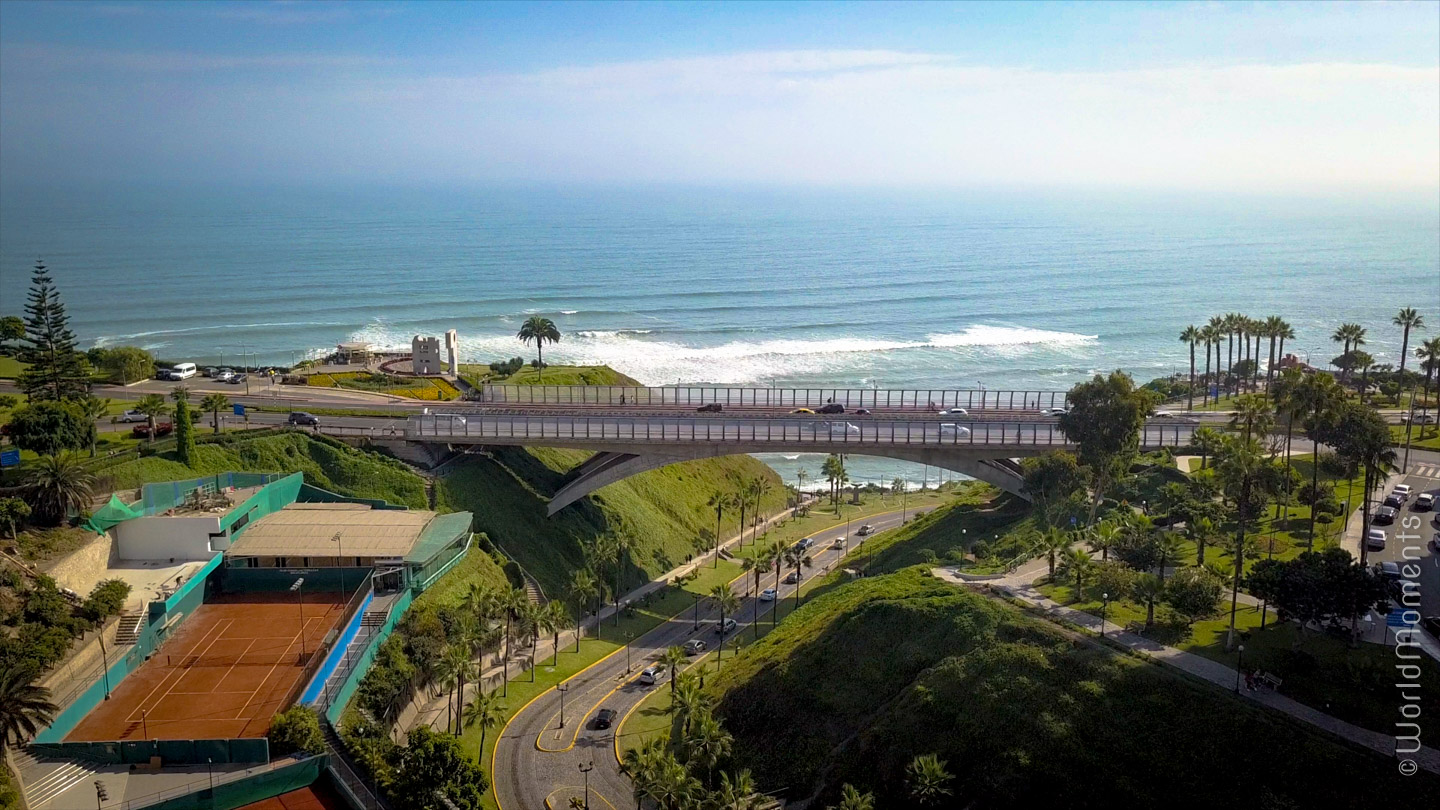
(1325, 98)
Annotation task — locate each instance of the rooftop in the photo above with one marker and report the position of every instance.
(312, 530)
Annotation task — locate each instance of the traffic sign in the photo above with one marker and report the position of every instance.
(9, 458)
(239, 409)
(1397, 618)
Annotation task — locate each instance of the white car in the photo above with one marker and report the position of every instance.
(1424, 501)
(1054, 411)
(224, 375)
(1403, 490)
(839, 543)
(1165, 414)
(767, 595)
(958, 412)
(133, 416)
(960, 431)
(843, 429)
(651, 675)
(1375, 540)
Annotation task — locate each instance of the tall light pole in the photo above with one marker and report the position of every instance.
(1239, 665)
(299, 588)
(562, 689)
(1104, 604)
(586, 769)
(628, 638)
(105, 663)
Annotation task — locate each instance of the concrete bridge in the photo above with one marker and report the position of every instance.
(981, 446)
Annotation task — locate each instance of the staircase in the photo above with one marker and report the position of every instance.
(45, 777)
(532, 590)
(348, 773)
(129, 630)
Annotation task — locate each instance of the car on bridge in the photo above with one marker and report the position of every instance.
(1054, 411)
(958, 412)
(802, 410)
(832, 407)
(951, 427)
(710, 407)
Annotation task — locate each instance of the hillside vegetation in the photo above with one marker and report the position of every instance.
(552, 375)
(877, 671)
(662, 510)
(327, 464)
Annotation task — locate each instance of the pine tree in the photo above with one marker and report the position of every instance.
(57, 370)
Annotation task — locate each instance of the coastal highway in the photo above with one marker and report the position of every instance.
(536, 759)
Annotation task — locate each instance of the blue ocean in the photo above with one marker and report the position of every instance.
(775, 288)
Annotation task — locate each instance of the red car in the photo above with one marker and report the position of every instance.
(143, 431)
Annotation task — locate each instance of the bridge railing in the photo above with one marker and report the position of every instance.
(827, 434)
(695, 396)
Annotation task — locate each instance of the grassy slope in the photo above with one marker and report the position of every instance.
(910, 665)
(326, 464)
(662, 509)
(569, 375)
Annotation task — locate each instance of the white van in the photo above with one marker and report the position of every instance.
(182, 371)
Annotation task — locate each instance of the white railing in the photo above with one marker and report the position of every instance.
(696, 395)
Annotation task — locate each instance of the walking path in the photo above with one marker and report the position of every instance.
(1020, 585)
(434, 708)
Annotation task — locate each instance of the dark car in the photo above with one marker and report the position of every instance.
(831, 407)
(143, 431)
(303, 418)
(1385, 515)
(862, 411)
(1394, 500)
(604, 718)
(709, 407)
(237, 379)
(1431, 623)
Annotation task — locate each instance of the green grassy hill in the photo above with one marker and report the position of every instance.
(327, 464)
(552, 375)
(874, 672)
(663, 510)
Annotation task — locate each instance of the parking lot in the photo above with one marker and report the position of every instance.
(1410, 535)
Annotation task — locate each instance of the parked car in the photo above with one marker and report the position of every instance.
(1435, 542)
(1431, 623)
(1385, 516)
(802, 410)
(1388, 569)
(180, 371)
(768, 595)
(1394, 500)
(225, 375)
(1403, 490)
(866, 529)
(832, 407)
(792, 578)
(650, 675)
(209, 371)
(958, 412)
(604, 718)
(726, 626)
(303, 418)
(133, 416)
(694, 647)
(1424, 501)
(1375, 540)
(710, 407)
(237, 378)
(143, 431)
(960, 431)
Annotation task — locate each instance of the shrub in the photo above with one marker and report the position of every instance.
(48, 428)
(297, 729)
(106, 599)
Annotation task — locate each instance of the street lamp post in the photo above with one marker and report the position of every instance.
(628, 638)
(299, 588)
(697, 611)
(1104, 605)
(562, 689)
(105, 663)
(586, 769)
(1239, 665)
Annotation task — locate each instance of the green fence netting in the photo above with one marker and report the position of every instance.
(110, 515)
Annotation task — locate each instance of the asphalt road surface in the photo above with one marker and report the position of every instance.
(535, 757)
(1413, 530)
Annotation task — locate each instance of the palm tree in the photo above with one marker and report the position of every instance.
(1252, 412)
(215, 403)
(1317, 396)
(583, 588)
(1148, 588)
(1364, 361)
(735, 792)
(58, 485)
(1275, 327)
(92, 408)
(24, 707)
(760, 489)
(1191, 335)
(623, 544)
(1053, 541)
(927, 780)
(1168, 545)
(690, 702)
(1104, 537)
(726, 600)
(718, 501)
(513, 603)
(1201, 531)
(796, 558)
(672, 659)
(707, 744)
(1075, 566)
(554, 618)
(852, 799)
(485, 711)
(1407, 319)
(541, 330)
(1429, 355)
(152, 405)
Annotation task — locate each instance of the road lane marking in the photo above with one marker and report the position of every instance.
(574, 791)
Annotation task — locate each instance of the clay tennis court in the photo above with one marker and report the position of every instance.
(221, 674)
(318, 796)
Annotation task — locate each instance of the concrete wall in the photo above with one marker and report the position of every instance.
(452, 351)
(425, 355)
(85, 566)
(167, 538)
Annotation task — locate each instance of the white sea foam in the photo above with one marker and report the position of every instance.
(656, 361)
(568, 311)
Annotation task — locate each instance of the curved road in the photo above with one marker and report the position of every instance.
(534, 757)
